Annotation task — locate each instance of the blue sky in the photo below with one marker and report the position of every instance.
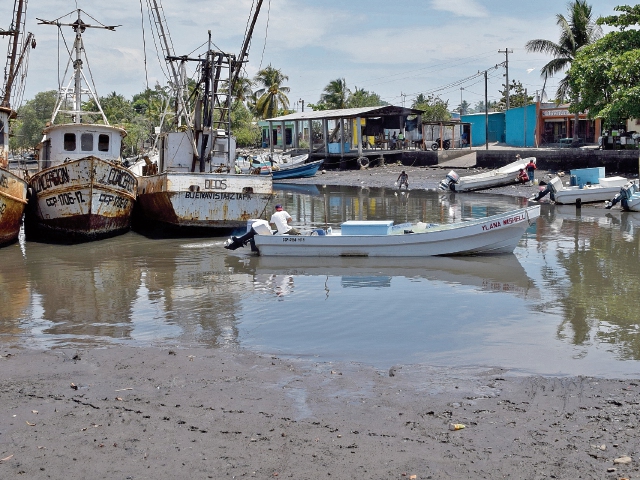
(397, 50)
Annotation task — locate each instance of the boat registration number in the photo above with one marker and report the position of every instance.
(293, 239)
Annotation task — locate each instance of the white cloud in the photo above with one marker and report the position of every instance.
(461, 8)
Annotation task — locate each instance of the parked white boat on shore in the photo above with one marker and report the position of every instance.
(494, 178)
(628, 196)
(490, 235)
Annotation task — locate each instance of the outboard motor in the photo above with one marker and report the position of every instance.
(553, 187)
(626, 192)
(258, 227)
(449, 181)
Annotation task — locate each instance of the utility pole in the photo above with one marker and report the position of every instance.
(486, 113)
(506, 51)
(301, 101)
(461, 89)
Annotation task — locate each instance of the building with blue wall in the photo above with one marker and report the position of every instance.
(521, 126)
(478, 128)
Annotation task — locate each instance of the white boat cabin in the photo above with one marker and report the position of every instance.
(177, 152)
(73, 141)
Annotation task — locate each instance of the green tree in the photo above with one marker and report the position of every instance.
(243, 126)
(272, 94)
(434, 108)
(577, 31)
(32, 118)
(606, 74)
(335, 94)
(463, 108)
(517, 96)
(362, 98)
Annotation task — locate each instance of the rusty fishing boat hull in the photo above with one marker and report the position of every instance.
(177, 203)
(80, 200)
(13, 201)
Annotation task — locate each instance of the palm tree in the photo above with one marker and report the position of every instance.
(336, 94)
(271, 97)
(576, 32)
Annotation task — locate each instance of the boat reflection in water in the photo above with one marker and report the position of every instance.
(15, 292)
(591, 270)
(499, 273)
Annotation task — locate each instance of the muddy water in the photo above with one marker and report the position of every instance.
(563, 303)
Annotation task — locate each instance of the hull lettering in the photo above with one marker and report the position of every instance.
(52, 178)
(217, 196)
(121, 179)
(215, 184)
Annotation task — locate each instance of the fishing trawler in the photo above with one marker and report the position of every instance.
(196, 188)
(13, 189)
(82, 191)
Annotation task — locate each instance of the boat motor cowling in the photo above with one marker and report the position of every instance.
(258, 227)
(450, 180)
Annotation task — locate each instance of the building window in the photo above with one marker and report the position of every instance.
(70, 142)
(103, 143)
(86, 142)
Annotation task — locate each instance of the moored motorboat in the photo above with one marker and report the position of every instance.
(595, 189)
(300, 170)
(494, 178)
(489, 235)
(628, 196)
(81, 191)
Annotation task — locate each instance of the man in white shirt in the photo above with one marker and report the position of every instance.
(281, 220)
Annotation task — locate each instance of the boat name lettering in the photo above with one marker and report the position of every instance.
(501, 223)
(215, 184)
(3, 208)
(517, 218)
(122, 179)
(118, 202)
(217, 196)
(4, 182)
(292, 239)
(52, 178)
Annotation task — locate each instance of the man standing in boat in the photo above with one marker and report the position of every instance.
(281, 220)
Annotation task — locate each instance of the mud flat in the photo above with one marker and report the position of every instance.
(135, 413)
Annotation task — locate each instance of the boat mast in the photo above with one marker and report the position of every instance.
(17, 50)
(79, 28)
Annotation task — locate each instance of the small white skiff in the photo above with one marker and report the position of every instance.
(494, 178)
(490, 235)
(569, 194)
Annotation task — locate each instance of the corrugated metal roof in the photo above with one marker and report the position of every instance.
(363, 112)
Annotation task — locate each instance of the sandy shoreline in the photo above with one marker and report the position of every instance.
(143, 413)
(217, 413)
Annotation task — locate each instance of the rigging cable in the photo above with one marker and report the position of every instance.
(144, 46)
(266, 34)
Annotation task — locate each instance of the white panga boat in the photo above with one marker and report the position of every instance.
(489, 235)
(494, 178)
(81, 191)
(560, 193)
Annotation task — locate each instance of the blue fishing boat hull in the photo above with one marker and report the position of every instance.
(298, 171)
